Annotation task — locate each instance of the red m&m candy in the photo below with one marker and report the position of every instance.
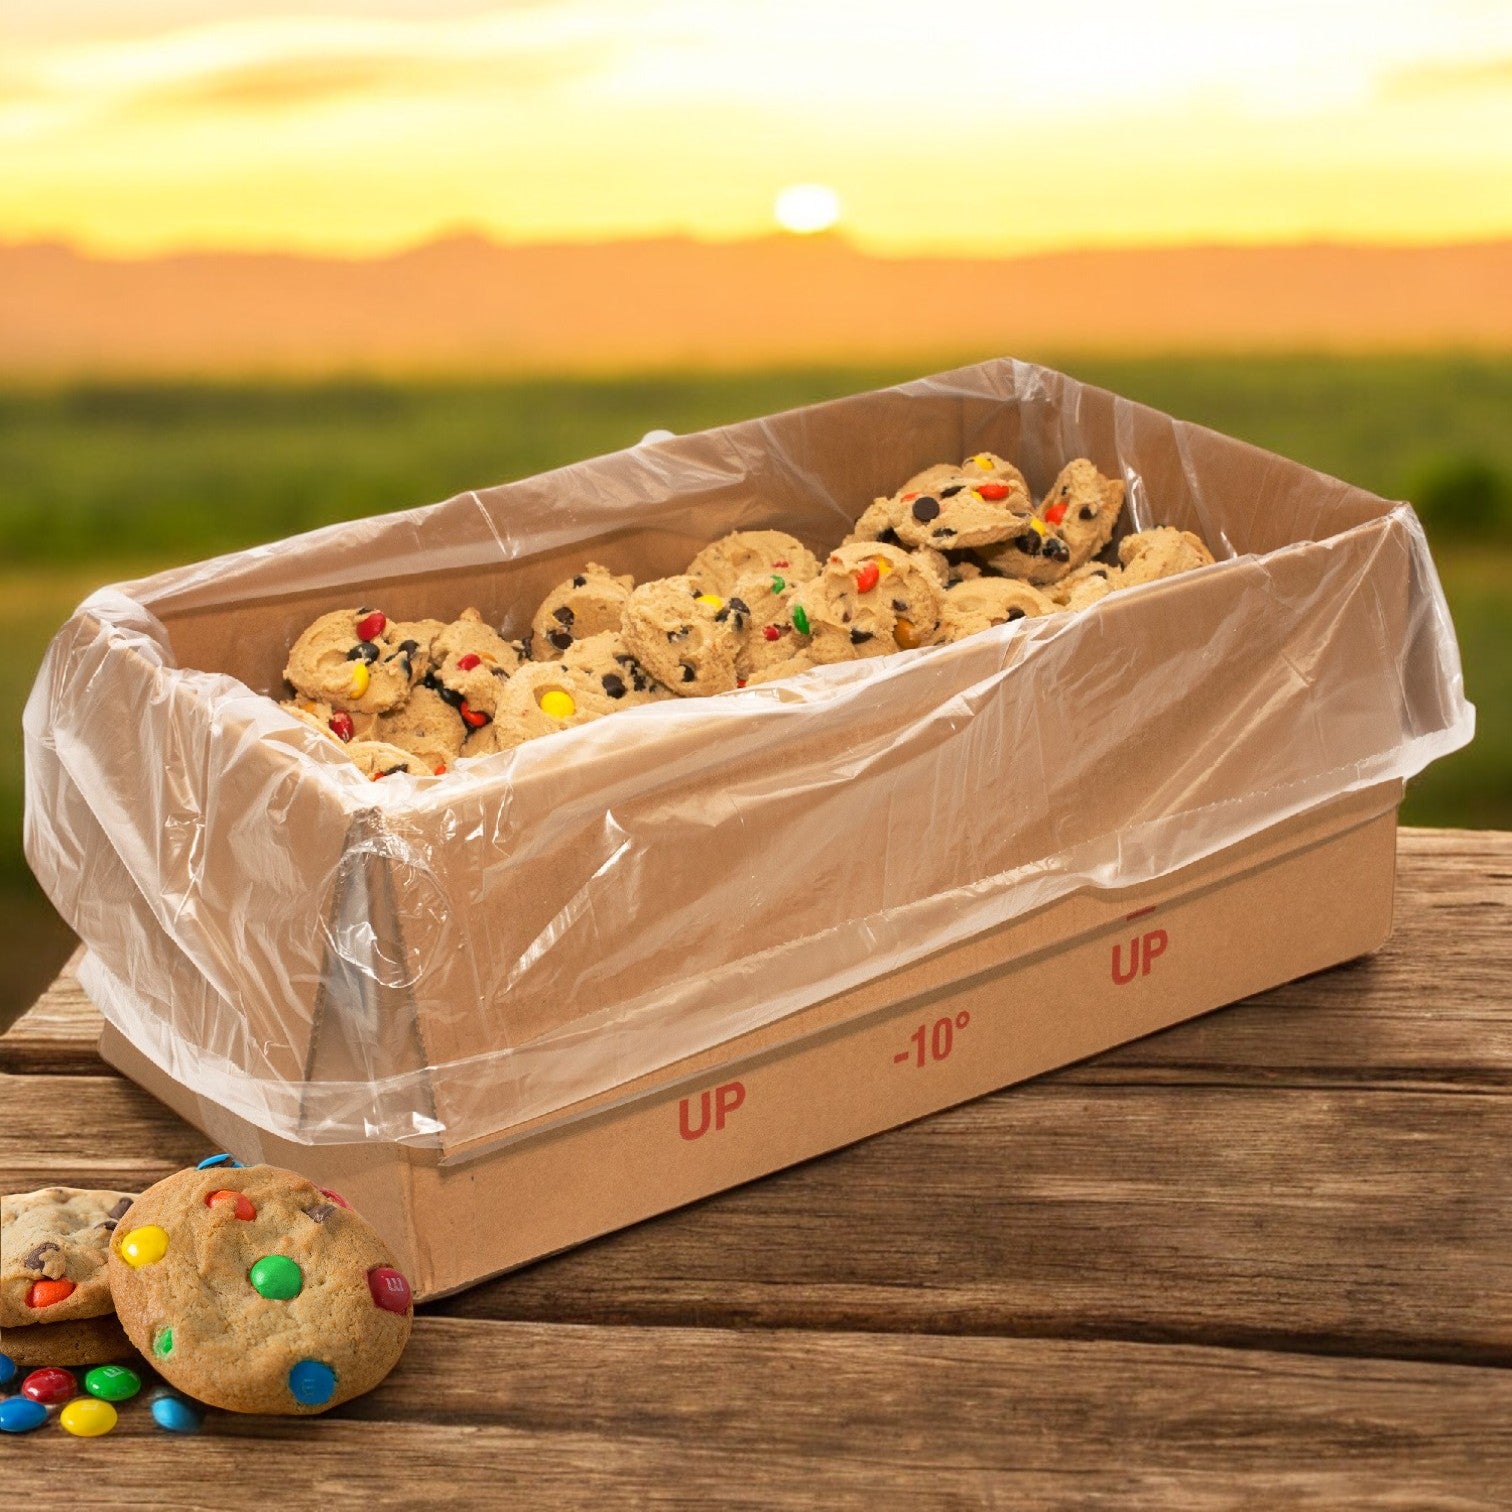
(335, 1197)
(771, 632)
(475, 718)
(866, 577)
(371, 626)
(52, 1387)
(993, 491)
(468, 662)
(390, 1290)
(1056, 513)
(341, 725)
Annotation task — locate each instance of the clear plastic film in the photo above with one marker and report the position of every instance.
(454, 960)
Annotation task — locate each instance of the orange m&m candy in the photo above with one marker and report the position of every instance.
(48, 1293)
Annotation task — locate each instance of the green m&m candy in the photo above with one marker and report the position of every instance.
(112, 1383)
(800, 620)
(276, 1277)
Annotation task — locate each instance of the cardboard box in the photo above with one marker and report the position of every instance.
(478, 1004)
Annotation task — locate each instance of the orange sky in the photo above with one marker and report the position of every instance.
(944, 126)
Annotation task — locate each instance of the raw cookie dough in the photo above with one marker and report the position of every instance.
(868, 600)
(762, 606)
(84, 1341)
(471, 660)
(1038, 553)
(1085, 506)
(604, 659)
(971, 607)
(686, 639)
(1085, 586)
(256, 1291)
(588, 603)
(540, 699)
(355, 659)
(376, 758)
(336, 724)
(1160, 553)
(53, 1244)
(428, 725)
(973, 508)
(747, 553)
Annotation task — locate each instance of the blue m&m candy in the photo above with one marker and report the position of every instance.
(211, 1161)
(312, 1383)
(175, 1415)
(7, 1370)
(19, 1414)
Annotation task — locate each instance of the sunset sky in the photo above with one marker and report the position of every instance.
(946, 126)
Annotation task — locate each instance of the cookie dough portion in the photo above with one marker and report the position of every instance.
(427, 724)
(1038, 554)
(762, 604)
(964, 511)
(876, 524)
(355, 659)
(255, 1291)
(978, 605)
(801, 660)
(471, 660)
(747, 553)
(540, 699)
(604, 659)
(686, 639)
(1086, 506)
(376, 758)
(53, 1245)
(84, 1341)
(869, 600)
(588, 603)
(334, 724)
(1085, 586)
(1160, 553)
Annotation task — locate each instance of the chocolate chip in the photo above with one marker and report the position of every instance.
(563, 616)
(389, 771)
(941, 532)
(409, 647)
(35, 1260)
(614, 685)
(1015, 613)
(889, 537)
(580, 581)
(689, 673)
(363, 651)
(1028, 543)
(681, 633)
(926, 509)
(900, 606)
(951, 492)
(120, 1209)
(740, 606)
(108, 1225)
(320, 1212)
(561, 639)
(1056, 549)
(858, 636)
(1087, 512)
(722, 614)
(445, 694)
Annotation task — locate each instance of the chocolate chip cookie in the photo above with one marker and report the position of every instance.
(53, 1244)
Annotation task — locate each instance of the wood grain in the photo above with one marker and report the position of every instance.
(537, 1415)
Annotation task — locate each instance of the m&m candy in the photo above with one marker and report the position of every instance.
(312, 1383)
(1056, 513)
(389, 1289)
(992, 491)
(19, 1414)
(468, 662)
(800, 620)
(7, 1370)
(360, 679)
(905, 634)
(175, 1415)
(371, 626)
(42, 1294)
(713, 600)
(222, 1159)
(87, 1417)
(50, 1386)
(240, 1204)
(276, 1277)
(343, 729)
(557, 704)
(866, 577)
(144, 1246)
(113, 1383)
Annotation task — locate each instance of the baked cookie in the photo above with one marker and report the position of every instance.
(751, 553)
(84, 1341)
(1160, 553)
(256, 1291)
(376, 758)
(470, 660)
(588, 603)
(604, 659)
(868, 600)
(428, 724)
(360, 661)
(540, 699)
(685, 638)
(52, 1254)
(1085, 507)
(983, 602)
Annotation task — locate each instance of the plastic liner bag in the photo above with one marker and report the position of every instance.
(454, 960)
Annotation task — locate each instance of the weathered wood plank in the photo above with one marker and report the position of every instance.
(549, 1416)
(1372, 1222)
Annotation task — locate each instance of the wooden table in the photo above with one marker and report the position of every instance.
(1261, 1260)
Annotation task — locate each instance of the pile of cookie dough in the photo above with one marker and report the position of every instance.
(956, 550)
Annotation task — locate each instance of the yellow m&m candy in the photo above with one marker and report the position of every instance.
(983, 461)
(87, 1417)
(713, 600)
(1038, 526)
(144, 1246)
(557, 704)
(359, 679)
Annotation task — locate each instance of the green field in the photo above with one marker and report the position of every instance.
(100, 481)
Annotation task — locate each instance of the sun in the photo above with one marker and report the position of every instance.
(806, 208)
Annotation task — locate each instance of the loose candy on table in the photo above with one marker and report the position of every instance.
(19, 1414)
(175, 1415)
(87, 1417)
(51, 1386)
(113, 1383)
(7, 1370)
